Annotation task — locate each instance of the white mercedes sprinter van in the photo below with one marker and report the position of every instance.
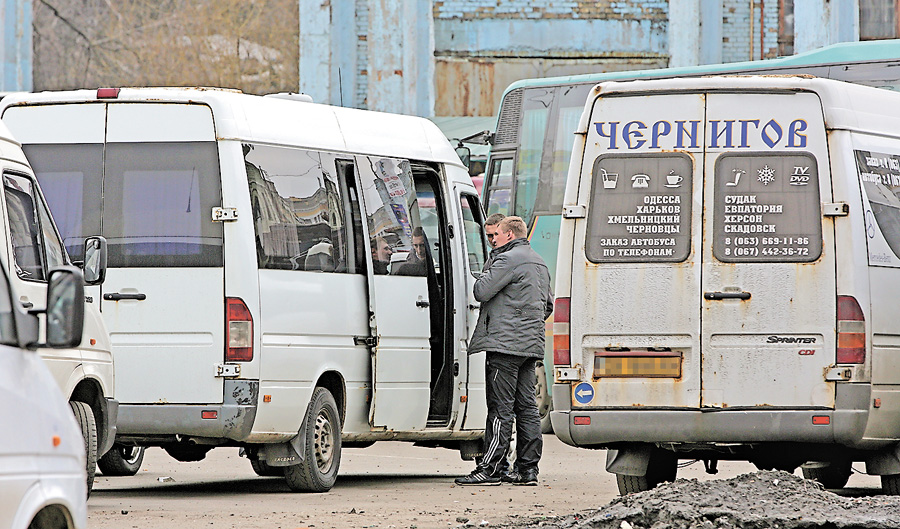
(729, 278)
(42, 452)
(31, 247)
(254, 295)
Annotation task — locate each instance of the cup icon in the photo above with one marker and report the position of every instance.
(673, 180)
(609, 179)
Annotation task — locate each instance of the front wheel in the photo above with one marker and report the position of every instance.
(322, 446)
(88, 425)
(122, 460)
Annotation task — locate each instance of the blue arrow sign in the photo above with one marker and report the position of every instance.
(584, 393)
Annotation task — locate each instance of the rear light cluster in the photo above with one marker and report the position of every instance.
(851, 331)
(561, 352)
(239, 331)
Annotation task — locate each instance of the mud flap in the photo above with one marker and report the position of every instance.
(285, 454)
(629, 462)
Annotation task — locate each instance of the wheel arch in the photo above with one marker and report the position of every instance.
(90, 391)
(334, 383)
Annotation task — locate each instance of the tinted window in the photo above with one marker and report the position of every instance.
(640, 209)
(767, 208)
(475, 238)
(24, 227)
(499, 186)
(157, 205)
(297, 210)
(392, 211)
(880, 176)
(70, 177)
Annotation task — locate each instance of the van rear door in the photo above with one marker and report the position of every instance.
(768, 279)
(146, 176)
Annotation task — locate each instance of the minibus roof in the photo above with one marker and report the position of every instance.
(282, 121)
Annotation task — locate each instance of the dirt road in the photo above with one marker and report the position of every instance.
(389, 485)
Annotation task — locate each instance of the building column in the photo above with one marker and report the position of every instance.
(819, 23)
(401, 57)
(315, 50)
(16, 46)
(684, 33)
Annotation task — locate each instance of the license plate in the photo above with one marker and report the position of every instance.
(665, 365)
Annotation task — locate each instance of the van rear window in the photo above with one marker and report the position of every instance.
(640, 209)
(767, 208)
(152, 201)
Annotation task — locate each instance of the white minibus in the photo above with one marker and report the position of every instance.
(284, 276)
(728, 278)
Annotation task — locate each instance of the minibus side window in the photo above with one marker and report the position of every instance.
(880, 176)
(392, 214)
(472, 225)
(24, 227)
(297, 210)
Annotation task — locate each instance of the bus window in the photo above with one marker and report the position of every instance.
(499, 186)
(475, 239)
(553, 181)
(535, 115)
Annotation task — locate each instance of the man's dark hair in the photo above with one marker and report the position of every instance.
(494, 219)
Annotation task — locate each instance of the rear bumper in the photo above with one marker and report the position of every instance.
(609, 426)
(233, 418)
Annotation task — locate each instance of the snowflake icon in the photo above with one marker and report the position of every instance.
(766, 175)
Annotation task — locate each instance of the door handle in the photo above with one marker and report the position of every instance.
(474, 306)
(715, 296)
(422, 303)
(27, 304)
(115, 296)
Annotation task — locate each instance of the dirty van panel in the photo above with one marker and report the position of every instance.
(768, 305)
(637, 318)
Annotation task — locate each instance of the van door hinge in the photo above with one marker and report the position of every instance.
(224, 214)
(836, 209)
(574, 212)
(228, 370)
(368, 341)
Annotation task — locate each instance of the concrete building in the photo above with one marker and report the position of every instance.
(455, 57)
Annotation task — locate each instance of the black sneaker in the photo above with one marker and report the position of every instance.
(478, 477)
(510, 477)
(527, 478)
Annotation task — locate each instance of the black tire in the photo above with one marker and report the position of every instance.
(890, 484)
(662, 467)
(542, 395)
(84, 416)
(834, 476)
(121, 460)
(264, 469)
(322, 446)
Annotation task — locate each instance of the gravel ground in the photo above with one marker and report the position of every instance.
(761, 500)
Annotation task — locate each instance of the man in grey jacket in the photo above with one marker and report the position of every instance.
(516, 299)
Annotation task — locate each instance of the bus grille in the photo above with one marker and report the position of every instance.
(510, 116)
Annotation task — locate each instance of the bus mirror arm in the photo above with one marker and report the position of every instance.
(484, 137)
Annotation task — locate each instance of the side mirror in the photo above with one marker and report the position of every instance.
(95, 255)
(464, 154)
(65, 307)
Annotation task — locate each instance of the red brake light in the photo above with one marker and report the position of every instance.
(238, 331)
(107, 93)
(561, 352)
(851, 332)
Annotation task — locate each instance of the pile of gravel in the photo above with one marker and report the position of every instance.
(761, 500)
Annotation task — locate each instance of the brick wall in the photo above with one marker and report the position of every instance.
(550, 9)
(739, 31)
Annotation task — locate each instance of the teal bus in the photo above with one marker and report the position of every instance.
(532, 143)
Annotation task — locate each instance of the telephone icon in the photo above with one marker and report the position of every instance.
(640, 181)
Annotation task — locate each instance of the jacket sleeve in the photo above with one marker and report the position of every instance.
(494, 279)
(548, 309)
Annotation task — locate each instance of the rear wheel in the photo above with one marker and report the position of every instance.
(85, 418)
(662, 467)
(834, 476)
(890, 484)
(121, 460)
(264, 469)
(322, 446)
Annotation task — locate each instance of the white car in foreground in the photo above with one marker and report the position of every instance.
(43, 482)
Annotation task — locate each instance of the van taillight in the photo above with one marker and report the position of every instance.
(239, 331)
(851, 332)
(107, 93)
(561, 353)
